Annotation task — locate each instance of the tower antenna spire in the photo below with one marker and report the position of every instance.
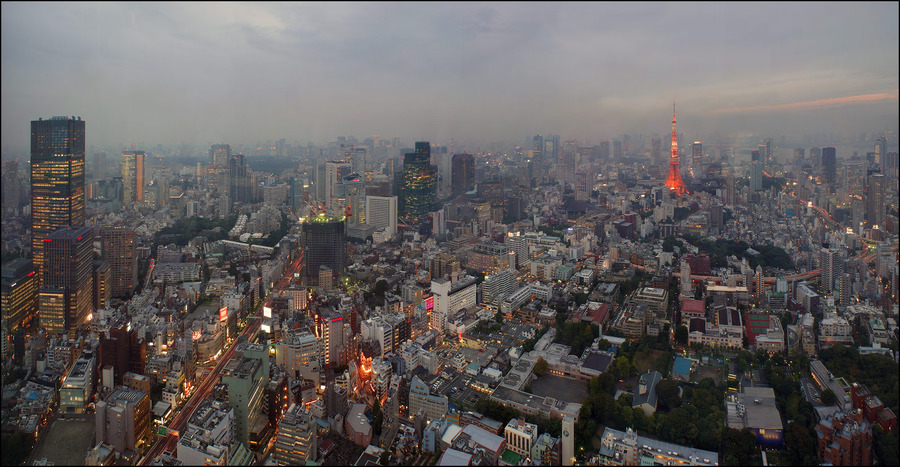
(674, 181)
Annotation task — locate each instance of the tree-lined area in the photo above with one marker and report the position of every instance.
(185, 229)
(769, 256)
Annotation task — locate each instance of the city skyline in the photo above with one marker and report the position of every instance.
(191, 73)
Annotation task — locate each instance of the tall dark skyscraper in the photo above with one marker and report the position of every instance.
(66, 294)
(829, 167)
(875, 191)
(57, 179)
(418, 189)
(655, 150)
(696, 157)
(324, 244)
(132, 176)
(238, 180)
(604, 150)
(463, 173)
(537, 145)
(120, 252)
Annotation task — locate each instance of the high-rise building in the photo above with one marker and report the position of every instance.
(566, 165)
(875, 204)
(674, 181)
(219, 155)
(756, 171)
(124, 350)
(119, 247)
(582, 186)
(769, 154)
(697, 158)
(132, 176)
(656, 150)
(417, 192)
(246, 387)
(551, 147)
(617, 150)
(831, 262)
(19, 299)
(381, 212)
(324, 244)
(537, 147)
(66, 292)
(829, 167)
(102, 284)
(335, 171)
(604, 150)
(881, 152)
(295, 443)
(332, 338)
(238, 180)
(463, 173)
(123, 420)
(57, 180)
(350, 198)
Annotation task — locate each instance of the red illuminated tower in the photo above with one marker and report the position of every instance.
(674, 182)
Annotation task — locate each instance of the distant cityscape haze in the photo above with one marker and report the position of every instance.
(196, 73)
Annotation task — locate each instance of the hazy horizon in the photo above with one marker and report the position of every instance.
(173, 73)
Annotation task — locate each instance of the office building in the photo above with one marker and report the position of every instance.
(767, 153)
(209, 437)
(299, 354)
(66, 295)
(239, 186)
(450, 297)
(132, 177)
(629, 448)
(520, 436)
(381, 213)
(875, 198)
(246, 387)
(333, 339)
(419, 182)
(756, 171)
(490, 257)
(350, 199)
(324, 244)
(829, 168)
(831, 262)
(102, 284)
(78, 386)
(219, 155)
(296, 442)
(463, 173)
(565, 167)
(335, 171)
(697, 158)
(123, 420)
(57, 180)
(124, 350)
(119, 246)
(421, 400)
(19, 299)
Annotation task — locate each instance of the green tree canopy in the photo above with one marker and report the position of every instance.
(681, 334)
(541, 367)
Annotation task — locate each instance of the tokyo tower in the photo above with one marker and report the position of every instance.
(674, 182)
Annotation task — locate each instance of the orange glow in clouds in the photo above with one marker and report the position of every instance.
(860, 99)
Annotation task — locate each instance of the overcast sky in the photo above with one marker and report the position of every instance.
(199, 72)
